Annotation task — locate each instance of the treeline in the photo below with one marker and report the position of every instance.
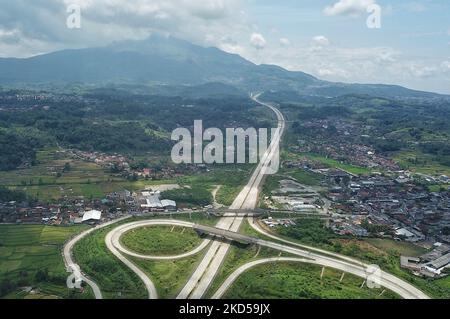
(195, 196)
(124, 123)
(106, 137)
(8, 285)
(167, 113)
(16, 150)
(440, 150)
(7, 195)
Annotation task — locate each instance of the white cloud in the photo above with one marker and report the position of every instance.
(332, 71)
(258, 41)
(34, 27)
(284, 42)
(8, 33)
(206, 9)
(321, 40)
(421, 71)
(348, 7)
(445, 66)
(104, 21)
(362, 65)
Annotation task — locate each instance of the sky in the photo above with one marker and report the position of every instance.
(329, 39)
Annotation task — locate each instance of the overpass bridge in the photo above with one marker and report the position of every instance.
(237, 212)
(225, 234)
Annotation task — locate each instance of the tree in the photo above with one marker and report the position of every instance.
(67, 167)
(446, 231)
(7, 286)
(42, 275)
(7, 195)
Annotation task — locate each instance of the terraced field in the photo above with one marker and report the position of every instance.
(30, 255)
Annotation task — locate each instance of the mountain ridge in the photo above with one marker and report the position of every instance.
(171, 61)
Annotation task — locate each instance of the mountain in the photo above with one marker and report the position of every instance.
(168, 61)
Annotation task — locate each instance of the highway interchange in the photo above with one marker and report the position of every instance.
(205, 273)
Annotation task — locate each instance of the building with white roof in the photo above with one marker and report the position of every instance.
(92, 216)
(169, 204)
(152, 202)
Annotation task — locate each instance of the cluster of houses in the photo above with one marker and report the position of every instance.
(348, 226)
(57, 215)
(11, 100)
(109, 161)
(398, 203)
(77, 211)
(121, 165)
(410, 210)
(68, 212)
(434, 264)
(294, 197)
(272, 223)
(344, 143)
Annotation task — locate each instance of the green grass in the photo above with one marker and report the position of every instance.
(194, 196)
(419, 162)
(237, 256)
(169, 277)
(300, 281)
(84, 179)
(227, 194)
(92, 181)
(328, 162)
(397, 248)
(303, 177)
(115, 279)
(387, 255)
(161, 240)
(232, 179)
(438, 188)
(443, 283)
(26, 249)
(357, 170)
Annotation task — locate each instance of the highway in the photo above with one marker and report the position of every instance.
(206, 271)
(338, 262)
(241, 270)
(229, 225)
(149, 285)
(254, 224)
(203, 276)
(114, 239)
(73, 267)
(397, 285)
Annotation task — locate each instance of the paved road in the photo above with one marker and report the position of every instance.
(397, 285)
(348, 265)
(254, 224)
(73, 267)
(341, 262)
(152, 292)
(241, 270)
(118, 232)
(205, 273)
(247, 199)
